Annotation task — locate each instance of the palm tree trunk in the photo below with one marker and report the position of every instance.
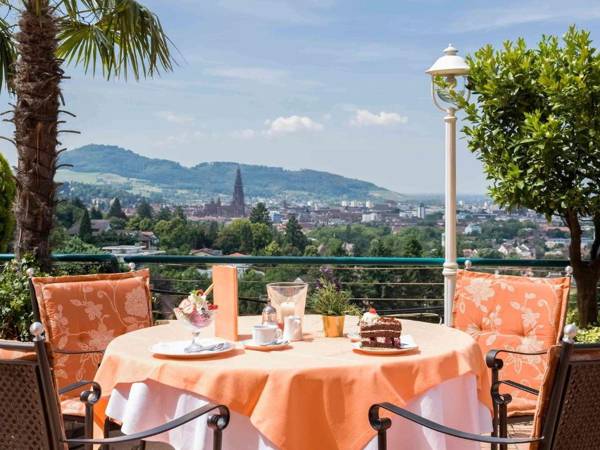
(37, 88)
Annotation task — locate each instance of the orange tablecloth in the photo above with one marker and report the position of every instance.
(314, 395)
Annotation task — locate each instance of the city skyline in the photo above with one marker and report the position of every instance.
(326, 85)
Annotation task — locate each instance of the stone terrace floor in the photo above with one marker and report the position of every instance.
(516, 430)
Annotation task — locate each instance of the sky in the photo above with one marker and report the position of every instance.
(334, 85)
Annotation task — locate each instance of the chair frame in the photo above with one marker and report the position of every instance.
(550, 419)
(500, 401)
(87, 419)
(109, 425)
(55, 425)
(500, 419)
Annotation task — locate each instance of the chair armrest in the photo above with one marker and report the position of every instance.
(90, 396)
(493, 362)
(218, 421)
(522, 387)
(379, 423)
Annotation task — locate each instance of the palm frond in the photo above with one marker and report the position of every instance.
(122, 36)
(8, 54)
(86, 44)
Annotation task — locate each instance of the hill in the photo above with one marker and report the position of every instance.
(114, 168)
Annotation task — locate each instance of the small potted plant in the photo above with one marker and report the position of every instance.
(333, 304)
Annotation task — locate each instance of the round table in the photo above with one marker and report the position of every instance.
(314, 395)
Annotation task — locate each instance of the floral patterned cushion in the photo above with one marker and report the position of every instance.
(524, 314)
(82, 314)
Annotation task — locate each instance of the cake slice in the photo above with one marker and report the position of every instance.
(380, 332)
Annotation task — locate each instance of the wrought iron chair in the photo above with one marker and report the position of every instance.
(567, 412)
(81, 314)
(29, 407)
(518, 316)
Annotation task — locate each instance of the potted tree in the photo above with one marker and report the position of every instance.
(533, 123)
(333, 304)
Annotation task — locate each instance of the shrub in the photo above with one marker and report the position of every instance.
(15, 302)
(7, 197)
(587, 335)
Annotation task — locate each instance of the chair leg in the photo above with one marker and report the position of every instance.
(494, 425)
(381, 425)
(89, 424)
(382, 439)
(213, 422)
(106, 433)
(217, 439)
(494, 408)
(503, 424)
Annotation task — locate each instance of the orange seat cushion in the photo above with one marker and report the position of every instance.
(524, 314)
(82, 314)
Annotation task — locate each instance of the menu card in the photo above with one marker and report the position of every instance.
(225, 295)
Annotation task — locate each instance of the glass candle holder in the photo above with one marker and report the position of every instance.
(288, 299)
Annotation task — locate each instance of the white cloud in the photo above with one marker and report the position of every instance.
(258, 74)
(525, 13)
(291, 124)
(363, 118)
(245, 134)
(182, 138)
(174, 117)
(280, 126)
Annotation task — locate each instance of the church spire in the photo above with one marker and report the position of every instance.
(238, 205)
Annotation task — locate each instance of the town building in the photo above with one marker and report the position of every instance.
(237, 207)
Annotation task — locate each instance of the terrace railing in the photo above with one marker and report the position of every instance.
(407, 286)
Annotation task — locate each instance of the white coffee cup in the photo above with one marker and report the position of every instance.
(265, 334)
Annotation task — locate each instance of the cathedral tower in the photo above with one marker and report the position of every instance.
(238, 205)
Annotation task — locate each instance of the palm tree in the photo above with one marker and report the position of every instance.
(120, 38)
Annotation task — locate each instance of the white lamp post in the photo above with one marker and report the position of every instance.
(451, 67)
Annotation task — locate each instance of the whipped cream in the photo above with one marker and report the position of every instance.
(369, 318)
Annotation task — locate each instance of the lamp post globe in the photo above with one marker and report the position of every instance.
(452, 68)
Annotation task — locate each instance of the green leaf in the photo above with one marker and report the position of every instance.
(122, 36)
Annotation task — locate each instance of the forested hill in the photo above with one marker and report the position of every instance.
(121, 169)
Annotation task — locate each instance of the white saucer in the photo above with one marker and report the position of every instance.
(176, 349)
(407, 344)
(354, 337)
(251, 345)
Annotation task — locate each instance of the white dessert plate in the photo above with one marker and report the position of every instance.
(176, 349)
(278, 345)
(407, 344)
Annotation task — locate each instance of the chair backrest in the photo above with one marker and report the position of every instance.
(82, 314)
(515, 313)
(571, 419)
(29, 415)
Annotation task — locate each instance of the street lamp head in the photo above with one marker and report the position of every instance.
(449, 65)
(445, 74)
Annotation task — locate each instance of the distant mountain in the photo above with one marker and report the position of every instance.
(114, 168)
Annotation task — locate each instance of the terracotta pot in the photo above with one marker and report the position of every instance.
(333, 326)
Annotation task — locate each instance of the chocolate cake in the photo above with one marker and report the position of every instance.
(382, 332)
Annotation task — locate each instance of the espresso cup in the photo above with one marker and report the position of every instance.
(265, 334)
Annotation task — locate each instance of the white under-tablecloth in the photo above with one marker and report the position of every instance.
(140, 406)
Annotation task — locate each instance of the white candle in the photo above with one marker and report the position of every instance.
(287, 309)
